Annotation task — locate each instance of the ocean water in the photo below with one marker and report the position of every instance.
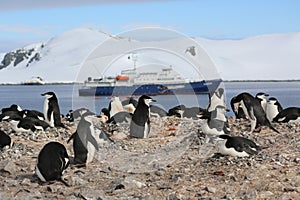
(29, 97)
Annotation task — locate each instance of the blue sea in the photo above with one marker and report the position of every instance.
(29, 97)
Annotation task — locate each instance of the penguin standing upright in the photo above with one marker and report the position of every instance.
(115, 106)
(53, 159)
(216, 99)
(85, 142)
(51, 110)
(140, 123)
(262, 98)
(273, 108)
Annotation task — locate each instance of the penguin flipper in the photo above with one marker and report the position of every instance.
(92, 140)
(72, 137)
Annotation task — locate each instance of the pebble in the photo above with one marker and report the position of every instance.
(10, 167)
(211, 189)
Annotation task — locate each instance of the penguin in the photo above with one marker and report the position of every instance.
(253, 111)
(115, 106)
(85, 142)
(176, 111)
(237, 146)
(214, 123)
(262, 97)
(290, 114)
(27, 124)
(216, 99)
(51, 110)
(5, 140)
(184, 112)
(120, 117)
(69, 116)
(140, 123)
(33, 114)
(129, 105)
(237, 108)
(13, 107)
(10, 115)
(273, 108)
(52, 161)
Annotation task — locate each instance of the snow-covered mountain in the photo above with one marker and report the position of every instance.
(266, 57)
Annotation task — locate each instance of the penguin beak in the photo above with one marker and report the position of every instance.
(153, 100)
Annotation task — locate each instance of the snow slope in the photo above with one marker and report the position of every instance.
(265, 57)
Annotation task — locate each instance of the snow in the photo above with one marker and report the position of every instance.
(79, 53)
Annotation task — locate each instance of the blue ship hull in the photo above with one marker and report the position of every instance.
(199, 87)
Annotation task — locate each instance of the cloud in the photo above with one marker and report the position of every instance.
(41, 4)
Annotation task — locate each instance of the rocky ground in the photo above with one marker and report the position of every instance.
(173, 163)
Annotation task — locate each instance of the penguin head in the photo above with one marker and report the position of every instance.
(203, 114)
(89, 116)
(261, 96)
(16, 107)
(272, 101)
(49, 95)
(146, 100)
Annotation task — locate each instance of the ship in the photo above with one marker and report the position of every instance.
(34, 81)
(130, 82)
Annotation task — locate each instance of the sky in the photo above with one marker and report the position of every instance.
(26, 22)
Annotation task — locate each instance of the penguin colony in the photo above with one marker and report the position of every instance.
(53, 159)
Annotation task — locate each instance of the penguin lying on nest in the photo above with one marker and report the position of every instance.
(237, 146)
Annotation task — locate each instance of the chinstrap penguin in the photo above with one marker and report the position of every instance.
(53, 159)
(262, 98)
(253, 111)
(217, 98)
(214, 123)
(290, 114)
(27, 124)
(273, 108)
(237, 146)
(140, 123)
(85, 141)
(115, 106)
(51, 110)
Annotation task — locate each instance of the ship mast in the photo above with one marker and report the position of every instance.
(133, 56)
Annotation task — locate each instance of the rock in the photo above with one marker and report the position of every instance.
(26, 181)
(130, 182)
(265, 194)
(175, 196)
(211, 189)
(10, 167)
(90, 194)
(78, 181)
